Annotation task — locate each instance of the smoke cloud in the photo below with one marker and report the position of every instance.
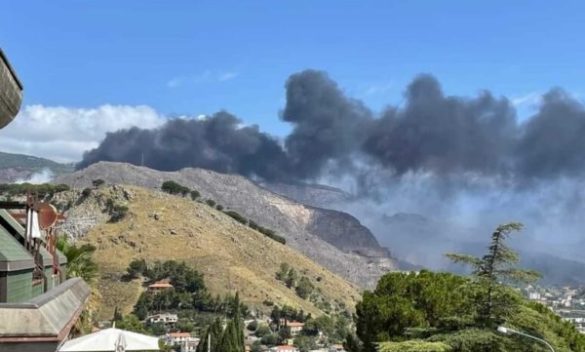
(446, 136)
(217, 142)
(462, 163)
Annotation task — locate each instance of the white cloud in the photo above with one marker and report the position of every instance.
(63, 133)
(527, 100)
(226, 76)
(207, 76)
(376, 89)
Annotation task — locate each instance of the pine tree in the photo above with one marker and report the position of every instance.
(213, 331)
(232, 339)
(495, 267)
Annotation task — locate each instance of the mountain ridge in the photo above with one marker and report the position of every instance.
(230, 255)
(290, 219)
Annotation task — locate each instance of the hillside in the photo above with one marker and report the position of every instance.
(21, 167)
(355, 254)
(230, 255)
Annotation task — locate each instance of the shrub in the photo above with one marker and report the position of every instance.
(173, 187)
(210, 202)
(195, 194)
(236, 216)
(86, 192)
(98, 183)
(118, 213)
(219, 207)
(136, 268)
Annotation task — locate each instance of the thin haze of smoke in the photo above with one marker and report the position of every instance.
(43, 176)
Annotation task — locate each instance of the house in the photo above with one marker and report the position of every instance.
(190, 345)
(159, 286)
(176, 338)
(295, 327)
(336, 348)
(284, 348)
(164, 318)
(186, 342)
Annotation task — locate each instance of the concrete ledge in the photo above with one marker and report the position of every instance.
(48, 317)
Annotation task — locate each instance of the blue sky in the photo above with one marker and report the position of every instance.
(194, 57)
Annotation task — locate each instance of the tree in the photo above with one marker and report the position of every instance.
(79, 260)
(117, 314)
(212, 337)
(305, 343)
(304, 287)
(210, 202)
(283, 272)
(173, 187)
(132, 323)
(291, 278)
(495, 267)
(136, 268)
(232, 339)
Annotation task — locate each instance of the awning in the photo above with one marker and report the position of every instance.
(111, 340)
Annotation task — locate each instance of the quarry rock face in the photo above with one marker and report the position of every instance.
(333, 239)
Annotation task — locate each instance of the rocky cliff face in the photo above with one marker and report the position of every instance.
(333, 239)
(309, 194)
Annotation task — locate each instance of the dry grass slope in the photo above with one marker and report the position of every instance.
(231, 256)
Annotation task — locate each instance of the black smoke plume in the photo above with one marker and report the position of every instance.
(217, 143)
(434, 133)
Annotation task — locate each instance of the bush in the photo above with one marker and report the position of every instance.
(118, 213)
(236, 216)
(219, 207)
(98, 183)
(174, 188)
(195, 194)
(304, 288)
(253, 325)
(262, 330)
(86, 192)
(136, 268)
(210, 202)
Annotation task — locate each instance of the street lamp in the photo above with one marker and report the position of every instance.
(504, 330)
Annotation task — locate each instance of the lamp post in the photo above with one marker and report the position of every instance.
(507, 331)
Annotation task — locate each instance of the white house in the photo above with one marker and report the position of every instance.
(165, 318)
(284, 348)
(295, 327)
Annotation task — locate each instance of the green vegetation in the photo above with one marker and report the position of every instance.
(429, 311)
(79, 260)
(42, 190)
(236, 216)
(173, 187)
(117, 211)
(98, 183)
(230, 339)
(210, 202)
(303, 286)
(188, 294)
